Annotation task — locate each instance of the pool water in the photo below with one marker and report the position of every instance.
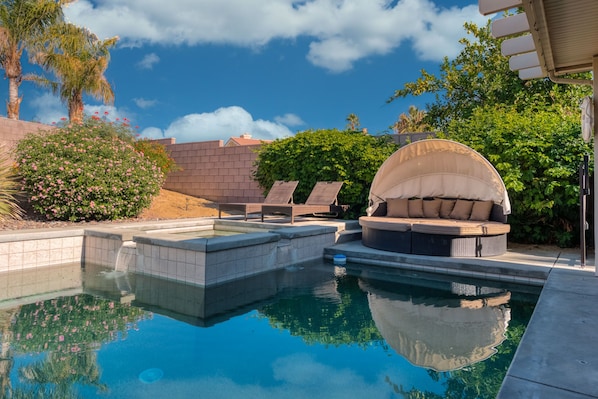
(315, 331)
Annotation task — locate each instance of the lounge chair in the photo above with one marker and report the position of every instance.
(280, 193)
(321, 200)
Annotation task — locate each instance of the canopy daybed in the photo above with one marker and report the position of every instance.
(437, 197)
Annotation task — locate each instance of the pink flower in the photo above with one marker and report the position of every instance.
(61, 338)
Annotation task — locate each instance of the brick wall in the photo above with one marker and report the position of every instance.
(214, 172)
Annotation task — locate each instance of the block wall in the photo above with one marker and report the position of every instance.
(209, 170)
(11, 131)
(214, 172)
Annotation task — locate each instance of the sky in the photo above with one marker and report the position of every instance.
(200, 70)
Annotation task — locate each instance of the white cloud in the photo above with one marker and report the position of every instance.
(289, 120)
(144, 103)
(148, 61)
(221, 124)
(341, 32)
(48, 109)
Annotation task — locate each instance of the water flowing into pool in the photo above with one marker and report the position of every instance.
(316, 331)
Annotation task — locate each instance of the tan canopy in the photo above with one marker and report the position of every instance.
(438, 168)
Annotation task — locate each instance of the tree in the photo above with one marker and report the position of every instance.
(325, 155)
(79, 60)
(413, 121)
(22, 21)
(352, 122)
(537, 153)
(480, 76)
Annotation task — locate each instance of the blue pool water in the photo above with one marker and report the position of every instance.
(305, 332)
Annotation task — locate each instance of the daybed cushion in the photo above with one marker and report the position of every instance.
(460, 227)
(432, 208)
(386, 223)
(481, 210)
(462, 210)
(397, 207)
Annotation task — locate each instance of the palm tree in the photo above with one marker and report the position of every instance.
(411, 122)
(22, 21)
(352, 122)
(78, 59)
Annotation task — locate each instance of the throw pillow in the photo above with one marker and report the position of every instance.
(416, 208)
(462, 210)
(397, 207)
(446, 207)
(481, 210)
(432, 208)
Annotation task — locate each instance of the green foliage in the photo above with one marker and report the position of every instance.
(325, 155)
(480, 76)
(537, 153)
(9, 189)
(158, 154)
(88, 171)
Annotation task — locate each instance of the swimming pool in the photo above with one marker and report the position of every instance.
(313, 330)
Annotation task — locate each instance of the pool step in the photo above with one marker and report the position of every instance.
(348, 235)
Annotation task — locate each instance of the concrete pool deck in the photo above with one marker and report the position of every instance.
(558, 355)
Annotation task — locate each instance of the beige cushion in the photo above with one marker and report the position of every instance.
(446, 207)
(416, 208)
(385, 223)
(481, 210)
(449, 227)
(397, 207)
(462, 210)
(432, 208)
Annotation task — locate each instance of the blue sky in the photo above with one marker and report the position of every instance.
(202, 70)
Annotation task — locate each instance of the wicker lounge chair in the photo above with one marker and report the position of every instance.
(281, 193)
(321, 200)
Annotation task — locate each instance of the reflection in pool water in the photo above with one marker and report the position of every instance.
(302, 332)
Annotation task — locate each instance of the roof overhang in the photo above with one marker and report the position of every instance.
(564, 35)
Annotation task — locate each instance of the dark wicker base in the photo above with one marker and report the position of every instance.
(434, 244)
(395, 241)
(443, 245)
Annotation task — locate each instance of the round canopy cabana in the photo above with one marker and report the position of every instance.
(438, 168)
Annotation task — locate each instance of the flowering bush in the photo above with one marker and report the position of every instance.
(157, 153)
(88, 171)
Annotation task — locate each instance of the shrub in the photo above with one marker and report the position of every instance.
(325, 155)
(9, 189)
(537, 153)
(157, 153)
(88, 171)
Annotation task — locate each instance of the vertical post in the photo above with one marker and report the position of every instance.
(595, 87)
(584, 190)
